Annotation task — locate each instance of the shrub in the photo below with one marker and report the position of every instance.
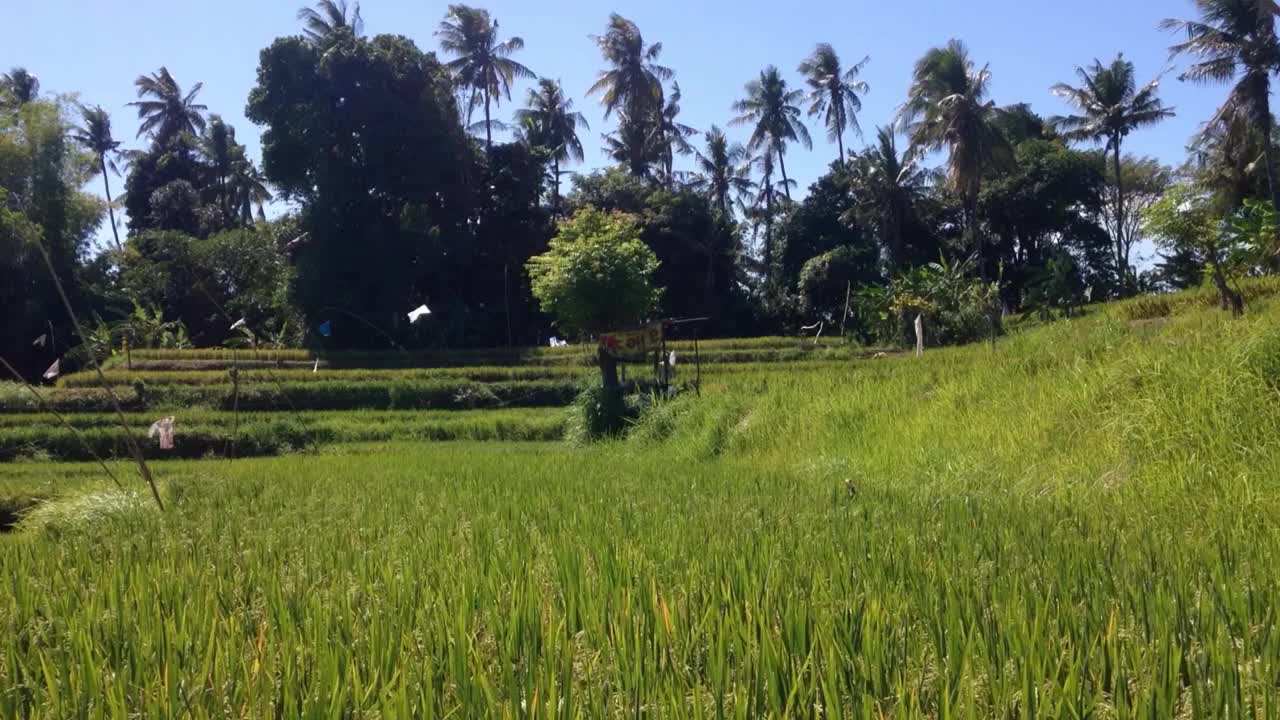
(956, 307)
(599, 413)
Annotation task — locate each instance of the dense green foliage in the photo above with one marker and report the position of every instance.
(398, 196)
(596, 275)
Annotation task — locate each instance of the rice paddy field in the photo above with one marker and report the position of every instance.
(1082, 521)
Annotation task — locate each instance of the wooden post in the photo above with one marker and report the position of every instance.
(697, 359)
(235, 401)
(848, 291)
(608, 369)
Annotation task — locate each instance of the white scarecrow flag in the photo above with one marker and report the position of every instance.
(239, 324)
(40, 341)
(418, 312)
(164, 427)
(54, 370)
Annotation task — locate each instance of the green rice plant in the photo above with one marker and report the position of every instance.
(203, 434)
(1077, 523)
(309, 395)
(153, 378)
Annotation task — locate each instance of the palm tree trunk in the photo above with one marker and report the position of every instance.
(768, 231)
(839, 132)
(893, 233)
(782, 165)
(555, 187)
(1122, 265)
(1228, 299)
(111, 212)
(488, 127)
(971, 224)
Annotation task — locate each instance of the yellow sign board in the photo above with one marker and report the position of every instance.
(633, 345)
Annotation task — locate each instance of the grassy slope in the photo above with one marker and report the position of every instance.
(1080, 523)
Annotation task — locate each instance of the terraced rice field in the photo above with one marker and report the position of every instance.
(1078, 523)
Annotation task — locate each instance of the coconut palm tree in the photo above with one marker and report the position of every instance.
(322, 24)
(671, 136)
(947, 107)
(723, 171)
(834, 93)
(1236, 39)
(632, 86)
(886, 184)
(1110, 105)
(165, 110)
(24, 86)
(763, 206)
(248, 189)
(95, 135)
(634, 143)
(218, 146)
(549, 121)
(483, 65)
(771, 109)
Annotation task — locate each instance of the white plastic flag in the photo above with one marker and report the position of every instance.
(54, 370)
(418, 312)
(239, 324)
(40, 341)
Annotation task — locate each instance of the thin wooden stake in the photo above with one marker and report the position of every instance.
(848, 291)
(102, 378)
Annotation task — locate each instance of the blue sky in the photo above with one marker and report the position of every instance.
(96, 49)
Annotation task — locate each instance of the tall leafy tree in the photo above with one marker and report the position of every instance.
(94, 134)
(1111, 105)
(1236, 40)
(166, 111)
(41, 206)
(483, 65)
(1049, 201)
(723, 171)
(383, 181)
(329, 18)
(887, 184)
(21, 84)
(770, 108)
(548, 121)
(834, 92)
(631, 86)
(948, 107)
(816, 225)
